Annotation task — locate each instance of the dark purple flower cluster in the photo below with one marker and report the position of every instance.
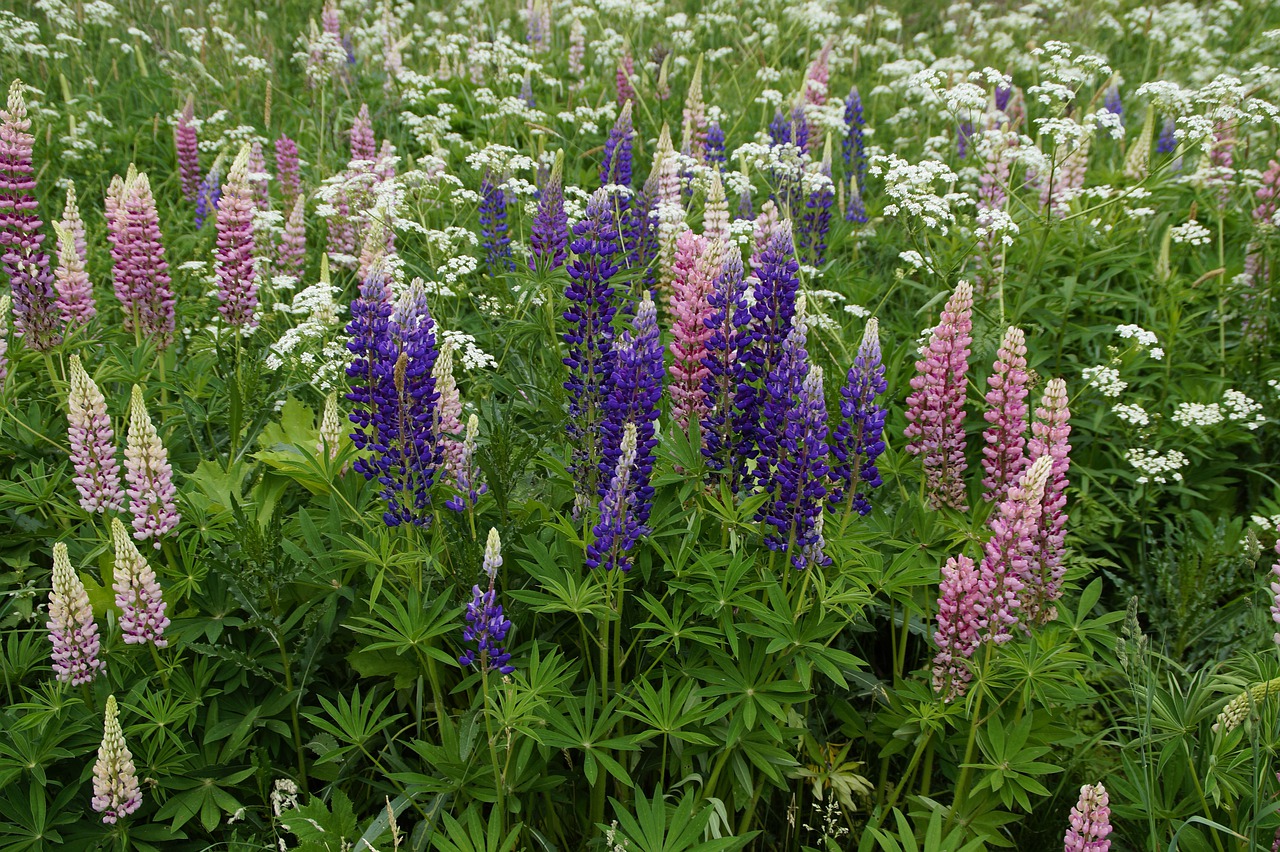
(772, 318)
(859, 439)
(1166, 142)
(779, 129)
(796, 417)
(589, 338)
(395, 395)
(1003, 93)
(817, 221)
(963, 134)
(854, 148)
(633, 395)
(488, 628)
(641, 241)
(615, 164)
(619, 527)
(494, 238)
(208, 195)
(549, 234)
(715, 145)
(799, 129)
(728, 324)
(1113, 103)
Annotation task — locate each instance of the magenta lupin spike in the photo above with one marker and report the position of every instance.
(186, 141)
(1004, 456)
(93, 444)
(1275, 594)
(1050, 432)
(935, 408)
(237, 279)
(363, 145)
(149, 476)
(288, 170)
(693, 277)
(1008, 560)
(35, 313)
(138, 594)
(1090, 822)
(72, 630)
(961, 611)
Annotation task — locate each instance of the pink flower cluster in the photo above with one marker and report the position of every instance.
(935, 408)
(72, 630)
(961, 611)
(237, 279)
(186, 141)
(1050, 432)
(1090, 822)
(1004, 457)
(93, 447)
(141, 273)
(693, 276)
(150, 478)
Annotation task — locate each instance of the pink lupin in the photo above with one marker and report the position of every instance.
(935, 407)
(292, 257)
(72, 630)
(819, 73)
(233, 267)
(692, 281)
(961, 611)
(259, 177)
(152, 494)
(141, 273)
(1004, 456)
(116, 792)
(93, 444)
(186, 141)
(1009, 555)
(1050, 431)
(363, 145)
(1090, 822)
(288, 170)
(138, 594)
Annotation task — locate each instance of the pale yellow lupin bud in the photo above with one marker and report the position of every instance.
(330, 427)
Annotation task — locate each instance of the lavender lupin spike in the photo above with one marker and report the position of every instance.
(93, 449)
(619, 527)
(72, 630)
(138, 595)
(149, 477)
(486, 624)
(727, 324)
(615, 163)
(234, 267)
(6, 302)
(859, 439)
(962, 608)
(115, 780)
(1090, 822)
(288, 170)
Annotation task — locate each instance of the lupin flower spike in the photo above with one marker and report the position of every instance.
(291, 259)
(935, 408)
(71, 626)
(1050, 432)
(466, 477)
(961, 611)
(715, 215)
(618, 528)
(363, 144)
(288, 170)
(93, 448)
(549, 235)
(692, 281)
(1009, 554)
(237, 278)
(75, 292)
(142, 280)
(138, 594)
(1004, 456)
(6, 303)
(35, 315)
(492, 555)
(330, 442)
(615, 163)
(186, 142)
(148, 474)
(693, 133)
(1090, 822)
(115, 781)
(859, 439)
(1275, 595)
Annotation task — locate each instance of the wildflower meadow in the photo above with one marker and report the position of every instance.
(639, 425)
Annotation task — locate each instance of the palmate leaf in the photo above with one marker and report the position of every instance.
(584, 727)
(323, 828)
(656, 828)
(472, 834)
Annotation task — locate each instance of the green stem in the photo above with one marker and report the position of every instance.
(962, 786)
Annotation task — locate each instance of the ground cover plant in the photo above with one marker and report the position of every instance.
(639, 426)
